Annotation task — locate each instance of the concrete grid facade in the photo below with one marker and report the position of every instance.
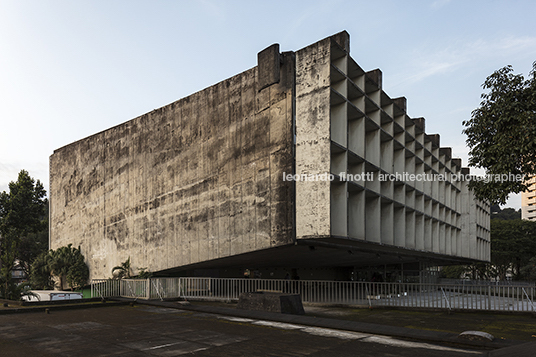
(200, 183)
(368, 132)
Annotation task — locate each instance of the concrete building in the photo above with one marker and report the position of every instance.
(301, 164)
(528, 201)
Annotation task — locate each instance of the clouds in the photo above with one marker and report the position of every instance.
(439, 4)
(432, 60)
(71, 69)
(8, 173)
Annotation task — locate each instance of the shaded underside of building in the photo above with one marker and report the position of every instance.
(234, 177)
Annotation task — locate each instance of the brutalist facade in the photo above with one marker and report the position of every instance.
(302, 163)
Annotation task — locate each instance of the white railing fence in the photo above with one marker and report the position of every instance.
(485, 282)
(134, 288)
(104, 288)
(442, 296)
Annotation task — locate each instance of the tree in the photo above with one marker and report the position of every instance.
(67, 264)
(501, 133)
(513, 244)
(40, 272)
(9, 248)
(32, 245)
(78, 273)
(22, 214)
(529, 270)
(477, 271)
(454, 271)
(505, 214)
(123, 270)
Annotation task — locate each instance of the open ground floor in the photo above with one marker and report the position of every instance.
(326, 259)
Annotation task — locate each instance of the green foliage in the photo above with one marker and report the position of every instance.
(513, 244)
(26, 290)
(22, 223)
(31, 245)
(65, 263)
(529, 270)
(501, 133)
(9, 247)
(78, 274)
(473, 271)
(513, 249)
(454, 271)
(40, 274)
(144, 274)
(24, 207)
(122, 271)
(479, 271)
(505, 214)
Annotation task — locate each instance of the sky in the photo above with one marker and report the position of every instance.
(69, 69)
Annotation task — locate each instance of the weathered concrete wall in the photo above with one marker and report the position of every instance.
(313, 139)
(475, 221)
(198, 179)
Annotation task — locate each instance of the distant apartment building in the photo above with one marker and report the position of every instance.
(302, 163)
(528, 201)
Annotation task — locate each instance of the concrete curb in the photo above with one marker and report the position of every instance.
(58, 307)
(337, 324)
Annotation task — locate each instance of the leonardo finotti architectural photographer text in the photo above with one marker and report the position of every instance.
(404, 176)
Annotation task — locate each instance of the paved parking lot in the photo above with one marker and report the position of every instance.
(147, 330)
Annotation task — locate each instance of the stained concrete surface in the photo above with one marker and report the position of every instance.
(155, 331)
(196, 180)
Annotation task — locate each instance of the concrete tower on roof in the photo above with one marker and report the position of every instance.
(302, 162)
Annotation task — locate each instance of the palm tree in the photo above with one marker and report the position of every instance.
(26, 290)
(68, 263)
(123, 270)
(60, 262)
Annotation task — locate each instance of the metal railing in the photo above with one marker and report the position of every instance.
(135, 288)
(104, 288)
(163, 288)
(486, 282)
(437, 296)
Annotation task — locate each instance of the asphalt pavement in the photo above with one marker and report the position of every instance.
(172, 329)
